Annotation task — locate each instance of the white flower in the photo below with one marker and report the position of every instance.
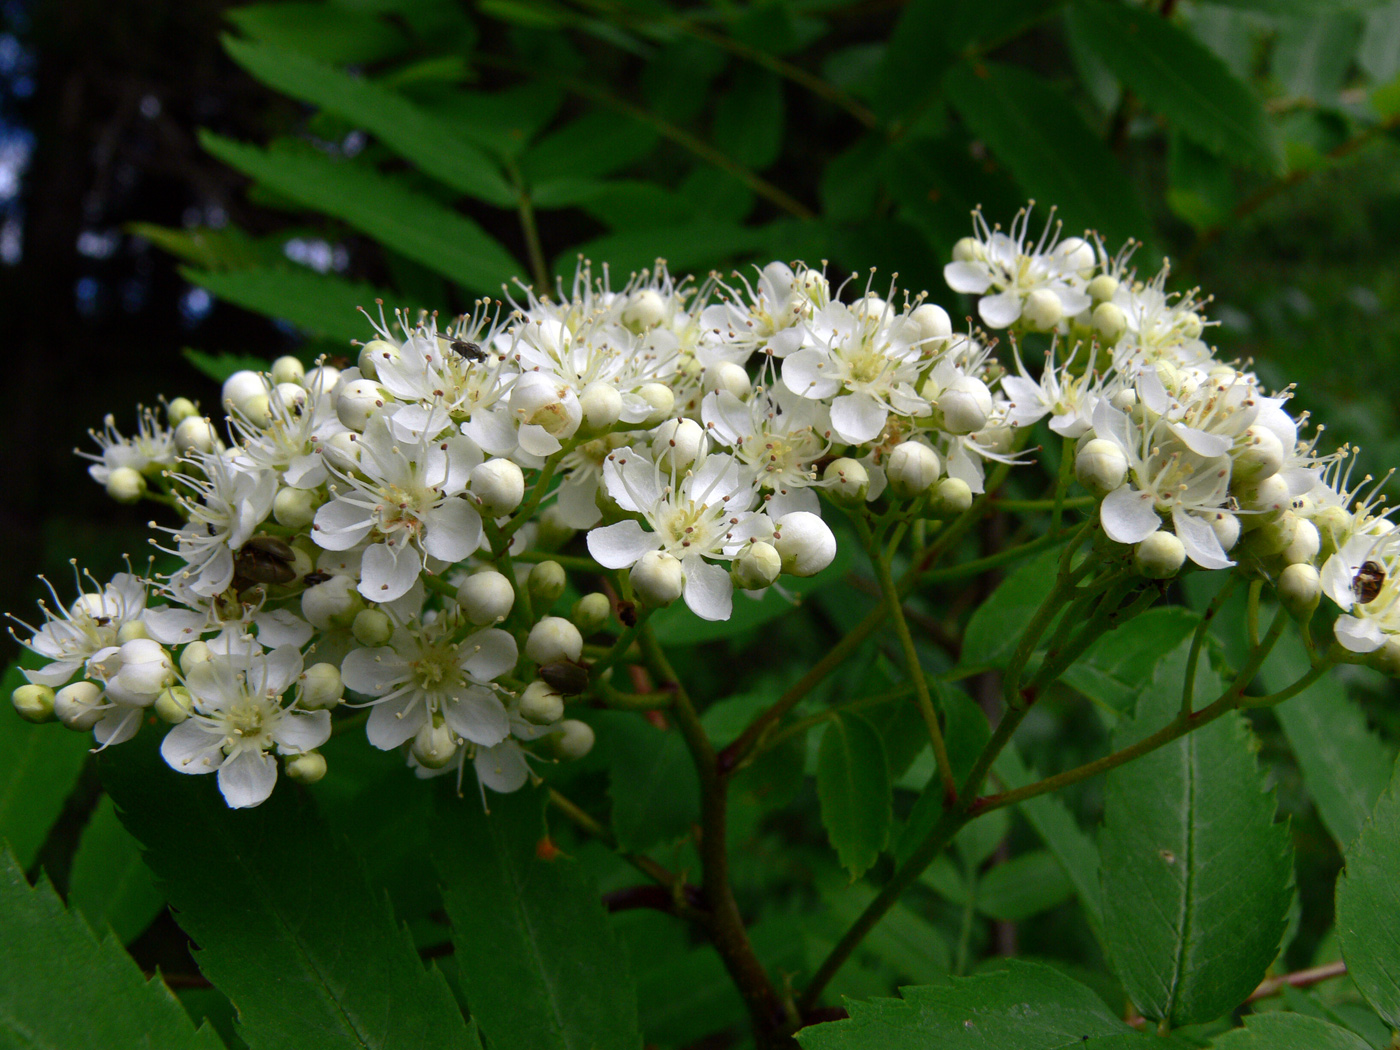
(426, 675)
(231, 502)
(1069, 399)
(706, 514)
(767, 319)
(89, 625)
(238, 719)
(1362, 579)
(405, 502)
(150, 448)
(1012, 269)
(778, 436)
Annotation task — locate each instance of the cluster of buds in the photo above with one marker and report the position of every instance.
(383, 534)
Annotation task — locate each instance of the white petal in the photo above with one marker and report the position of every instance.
(1359, 634)
(192, 748)
(492, 431)
(490, 654)
(247, 778)
(283, 666)
(970, 277)
(478, 716)
(858, 418)
(1128, 515)
(618, 546)
(1001, 310)
(302, 730)
(118, 725)
(808, 373)
(340, 524)
(1201, 543)
(1202, 442)
(373, 671)
(1072, 301)
(708, 590)
(537, 440)
(502, 768)
(577, 506)
(392, 722)
(278, 627)
(453, 530)
(388, 572)
(1338, 575)
(172, 625)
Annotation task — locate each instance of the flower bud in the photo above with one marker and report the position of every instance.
(932, 321)
(541, 704)
(1124, 400)
(756, 566)
(1227, 529)
(729, 377)
(1299, 589)
(1078, 255)
(553, 638)
(951, 496)
(1260, 455)
(321, 379)
(79, 706)
(179, 410)
(321, 687)
(1305, 546)
(546, 582)
(334, 603)
(307, 768)
(869, 306)
(804, 542)
(657, 579)
(1266, 500)
(646, 309)
(1109, 323)
(357, 400)
(341, 450)
(34, 702)
(288, 370)
(195, 434)
(1160, 556)
(130, 631)
(848, 482)
(679, 443)
(1101, 466)
(434, 746)
(1042, 310)
(967, 249)
(912, 468)
(574, 740)
(662, 400)
(372, 627)
(498, 485)
(1273, 537)
(174, 705)
(134, 672)
(591, 612)
(126, 485)
(486, 597)
(965, 405)
(242, 390)
(541, 400)
(295, 508)
(1102, 288)
(1333, 523)
(601, 404)
(551, 530)
(372, 353)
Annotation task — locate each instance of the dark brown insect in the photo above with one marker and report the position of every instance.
(470, 351)
(311, 579)
(627, 613)
(263, 559)
(566, 676)
(1367, 583)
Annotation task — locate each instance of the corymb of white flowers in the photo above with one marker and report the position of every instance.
(399, 535)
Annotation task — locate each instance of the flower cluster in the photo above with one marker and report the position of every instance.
(385, 534)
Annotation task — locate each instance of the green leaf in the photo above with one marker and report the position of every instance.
(431, 144)
(966, 732)
(329, 32)
(594, 145)
(1057, 828)
(853, 783)
(1023, 886)
(1114, 670)
(206, 247)
(749, 118)
(686, 246)
(109, 882)
(1379, 53)
(651, 780)
(1312, 56)
(1200, 188)
(219, 367)
(677, 625)
(1280, 1031)
(1197, 877)
(1368, 906)
(39, 764)
(903, 942)
(1298, 8)
(539, 962)
(288, 927)
(1345, 766)
(377, 205)
(996, 626)
(1041, 138)
(1179, 77)
(62, 986)
(1024, 1007)
(322, 306)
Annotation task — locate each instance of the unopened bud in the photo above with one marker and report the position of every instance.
(804, 542)
(34, 702)
(486, 597)
(965, 405)
(951, 496)
(372, 627)
(334, 603)
(79, 705)
(546, 582)
(374, 352)
(591, 612)
(1160, 556)
(174, 705)
(541, 704)
(288, 370)
(967, 249)
(553, 638)
(645, 310)
(1042, 310)
(756, 566)
(1265, 501)
(933, 323)
(848, 482)
(195, 434)
(1305, 545)
(601, 404)
(359, 399)
(321, 379)
(130, 631)
(662, 400)
(1299, 589)
(730, 377)
(1101, 466)
(657, 579)
(574, 740)
(295, 508)
(342, 450)
(498, 485)
(179, 410)
(126, 485)
(912, 468)
(434, 746)
(1226, 527)
(308, 767)
(321, 687)
(1109, 323)
(1260, 455)
(679, 443)
(242, 390)
(1102, 288)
